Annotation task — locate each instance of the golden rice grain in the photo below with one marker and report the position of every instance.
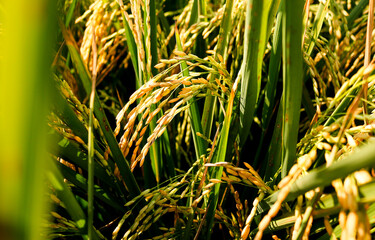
(199, 81)
(351, 225)
(221, 59)
(326, 135)
(179, 53)
(308, 228)
(263, 224)
(274, 209)
(230, 171)
(212, 52)
(362, 177)
(293, 170)
(284, 181)
(213, 180)
(342, 219)
(245, 232)
(160, 65)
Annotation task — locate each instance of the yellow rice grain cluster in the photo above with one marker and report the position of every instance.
(164, 91)
(353, 218)
(303, 163)
(246, 230)
(101, 15)
(165, 200)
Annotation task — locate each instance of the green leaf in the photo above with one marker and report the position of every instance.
(292, 79)
(117, 155)
(251, 69)
(270, 95)
(79, 181)
(220, 157)
(70, 12)
(273, 74)
(64, 193)
(222, 46)
(70, 151)
(130, 41)
(195, 118)
(363, 157)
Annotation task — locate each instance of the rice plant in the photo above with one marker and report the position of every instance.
(212, 119)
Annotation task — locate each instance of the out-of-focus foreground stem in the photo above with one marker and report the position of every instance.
(26, 36)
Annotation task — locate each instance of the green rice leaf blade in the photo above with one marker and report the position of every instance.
(79, 181)
(363, 157)
(64, 193)
(195, 118)
(292, 80)
(122, 164)
(222, 46)
(254, 47)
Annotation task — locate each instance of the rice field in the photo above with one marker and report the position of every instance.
(187, 119)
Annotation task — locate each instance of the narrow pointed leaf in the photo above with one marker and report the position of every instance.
(122, 164)
(363, 157)
(254, 46)
(292, 80)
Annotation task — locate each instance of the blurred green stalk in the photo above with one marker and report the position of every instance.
(26, 36)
